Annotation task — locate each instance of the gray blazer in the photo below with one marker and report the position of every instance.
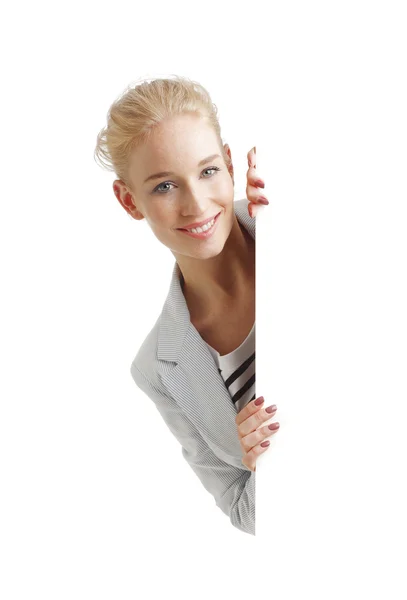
(176, 370)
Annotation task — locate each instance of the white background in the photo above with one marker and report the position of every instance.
(96, 499)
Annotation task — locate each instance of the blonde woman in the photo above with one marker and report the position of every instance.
(197, 364)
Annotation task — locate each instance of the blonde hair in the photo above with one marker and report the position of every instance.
(132, 118)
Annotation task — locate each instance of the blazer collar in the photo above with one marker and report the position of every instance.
(193, 378)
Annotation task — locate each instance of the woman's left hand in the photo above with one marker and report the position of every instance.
(253, 194)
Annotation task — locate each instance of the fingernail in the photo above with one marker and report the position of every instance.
(263, 200)
(259, 401)
(265, 444)
(274, 426)
(271, 409)
(260, 183)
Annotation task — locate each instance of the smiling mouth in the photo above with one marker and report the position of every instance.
(203, 228)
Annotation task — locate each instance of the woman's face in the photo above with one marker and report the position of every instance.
(177, 182)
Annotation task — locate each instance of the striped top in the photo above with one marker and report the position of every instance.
(238, 370)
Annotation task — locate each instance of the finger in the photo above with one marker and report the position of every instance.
(257, 198)
(256, 437)
(251, 157)
(254, 180)
(249, 459)
(254, 192)
(255, 420)
(253, 208)
(250, 408)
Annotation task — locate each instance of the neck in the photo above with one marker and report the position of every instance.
(218, 283)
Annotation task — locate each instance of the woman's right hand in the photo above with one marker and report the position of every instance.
(251, 435)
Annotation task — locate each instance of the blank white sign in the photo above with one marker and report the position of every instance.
(331, 314)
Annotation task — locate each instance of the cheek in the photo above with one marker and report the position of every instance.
(227, 187)
(161, 217)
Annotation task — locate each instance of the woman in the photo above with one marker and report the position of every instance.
(164, 143)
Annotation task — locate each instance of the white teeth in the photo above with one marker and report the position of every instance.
(203, 228)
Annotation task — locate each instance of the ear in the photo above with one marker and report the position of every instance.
(125, 198)
(230, 167)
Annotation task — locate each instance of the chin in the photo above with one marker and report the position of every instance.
(209, 253)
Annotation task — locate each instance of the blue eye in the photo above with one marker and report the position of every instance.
(211, 169)
(157, 189)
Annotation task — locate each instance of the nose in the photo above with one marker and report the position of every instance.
(193, 203)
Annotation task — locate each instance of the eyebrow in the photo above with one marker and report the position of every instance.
(204, 161)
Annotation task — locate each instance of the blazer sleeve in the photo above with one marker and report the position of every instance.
(232, 488)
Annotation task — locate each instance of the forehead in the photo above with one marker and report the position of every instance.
(175, 144)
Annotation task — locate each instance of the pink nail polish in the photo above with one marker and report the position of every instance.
(259, 401)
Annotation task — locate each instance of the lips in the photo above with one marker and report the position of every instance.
(205, 234)
(195, 225)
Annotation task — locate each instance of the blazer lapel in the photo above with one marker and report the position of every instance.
(188, 369)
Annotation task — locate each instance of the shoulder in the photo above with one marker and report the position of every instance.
(241, 205)
(242, 214)
(145, 364)
(241, 208)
